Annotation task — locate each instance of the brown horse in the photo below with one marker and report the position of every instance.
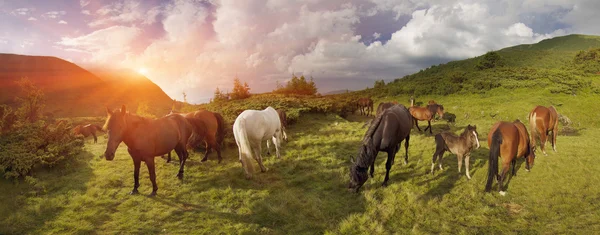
(542, 120)
(425, 114)
(508, 141)
(365, 105)
(460, 145)
(386, 133)
(87, 130)
(211, 131)
(283, 121)
(383, 106)
(146, 138)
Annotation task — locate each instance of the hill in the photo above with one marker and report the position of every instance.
(73, 91)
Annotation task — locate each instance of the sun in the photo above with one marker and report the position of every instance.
(143, 71)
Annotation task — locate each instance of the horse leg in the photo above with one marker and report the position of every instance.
(217, 147)
(268, 148)
(554, 134)
(429, 126)
(436, 156)
(207, 146)
(182, 158)
(406, 149)
(95, 139)
(372, 170)
(467, 157)
(136, 174)
(258, 159)
(460, 161)
(505, 168)
(543, 140)
(169, 157)
(514, 163)
(388, 166)
(417, 124)
(276, 141)
(151, 170)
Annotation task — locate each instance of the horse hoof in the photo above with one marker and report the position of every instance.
(527, 170)
(248, 177)
(180, 176)
(264, 170)
(468, 177)
(220, 160)
(152, 194)
(503, 193)
(204, 159)
(134, 192)
(384, 184)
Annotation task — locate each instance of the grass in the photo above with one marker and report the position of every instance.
(304, 192)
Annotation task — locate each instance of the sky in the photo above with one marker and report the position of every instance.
(196, 46)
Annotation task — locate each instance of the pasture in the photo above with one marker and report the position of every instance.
(305, 191)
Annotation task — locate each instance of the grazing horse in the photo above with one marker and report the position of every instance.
(146, 138)
(365, 105)
(383, 106)
(386, 133)
(211, 128)
(87, 130)
(425, 114)
(460, 145)
(250, 129)
(508, 141)
(544, 120)
(283, 120)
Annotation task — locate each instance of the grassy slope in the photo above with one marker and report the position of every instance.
(304, 192)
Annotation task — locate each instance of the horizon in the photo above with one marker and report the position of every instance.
(197, 46)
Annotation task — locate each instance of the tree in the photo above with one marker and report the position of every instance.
(379, 84)
(220, 96)
(489, 60)
(240, 91)
(32, 101)
(297, 86)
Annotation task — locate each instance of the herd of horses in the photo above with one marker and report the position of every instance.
(147, 138)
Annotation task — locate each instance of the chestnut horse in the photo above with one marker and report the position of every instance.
(425, 114)
(146, 138)
(365, 105)
(386, 133)
(87, 130)
(508, 141)
(460, 145)
(211, 128)
(542, 120)
(383, 106)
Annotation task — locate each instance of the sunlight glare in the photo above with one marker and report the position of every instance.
(143, 71)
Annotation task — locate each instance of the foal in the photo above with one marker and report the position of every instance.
(460, 145)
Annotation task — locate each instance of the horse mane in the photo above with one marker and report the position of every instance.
(367, 151)
(132, 117)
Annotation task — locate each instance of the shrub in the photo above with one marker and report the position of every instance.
(240, 91)
(297, 86)
(489, 60)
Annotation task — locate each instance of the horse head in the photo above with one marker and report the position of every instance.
(440, 110)
(475, 136)
(116, 124)
(530, 157)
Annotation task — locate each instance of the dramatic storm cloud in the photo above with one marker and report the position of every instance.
(195, 46)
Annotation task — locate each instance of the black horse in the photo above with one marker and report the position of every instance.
(386, 133)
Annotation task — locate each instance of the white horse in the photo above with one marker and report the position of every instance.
(250, 129)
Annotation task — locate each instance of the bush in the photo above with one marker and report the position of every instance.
(297, 86)
(489, 60)
(240, 91)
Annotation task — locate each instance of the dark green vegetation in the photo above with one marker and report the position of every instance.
(304, 192)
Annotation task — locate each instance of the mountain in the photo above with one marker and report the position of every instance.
(336, 92)
(549, 65)
(73, 91)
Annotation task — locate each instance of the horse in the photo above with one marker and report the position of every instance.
(460, 145)
(385, 134)
(211, 131)
(508, 141)
(431, 102)
(365, 105)
(87, 130)
(283, 120)
(383, 106)
(146, 138)
(250, 129)
(425, 114)
(544, 120)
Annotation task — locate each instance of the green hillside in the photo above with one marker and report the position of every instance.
(305, 191)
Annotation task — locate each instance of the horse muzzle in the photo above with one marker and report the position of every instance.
(109, 156)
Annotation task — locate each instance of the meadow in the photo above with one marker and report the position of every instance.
(305, 191)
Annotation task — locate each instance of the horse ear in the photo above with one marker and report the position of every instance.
(108, 111)
(123, 109)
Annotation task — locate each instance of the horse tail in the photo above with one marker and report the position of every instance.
(533, 126)
(220, 129)
(493, 161)
(243, 142)
(198, 128)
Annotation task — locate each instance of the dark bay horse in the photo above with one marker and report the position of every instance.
(460, 145)
(383, 106)
(425, 114)
(508, 141)
(146, 138)
(87, 130)
(365, 105)
(542, 120)
(211, 131)
(386, 133)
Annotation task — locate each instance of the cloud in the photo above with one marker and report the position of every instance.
(125, 12)
(84, 3)
(22, 11)
(31, 18)
(62, 22)
(85, 12)
(54, 14)
(103, 46)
